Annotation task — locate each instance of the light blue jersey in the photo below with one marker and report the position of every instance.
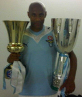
(39, 58)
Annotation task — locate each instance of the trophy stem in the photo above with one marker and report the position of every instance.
(57, 76)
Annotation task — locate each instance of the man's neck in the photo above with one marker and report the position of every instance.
(36, 29)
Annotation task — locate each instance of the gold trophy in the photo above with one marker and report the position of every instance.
(15, 32)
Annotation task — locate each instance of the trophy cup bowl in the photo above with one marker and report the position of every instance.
(65, 32)
(15, 31)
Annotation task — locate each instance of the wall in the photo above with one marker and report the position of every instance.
(17, 10)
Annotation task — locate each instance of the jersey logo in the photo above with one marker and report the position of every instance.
(9, 72)
(25, 44)
(50, 41)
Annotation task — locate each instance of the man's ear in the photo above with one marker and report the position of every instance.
(45, 14)
(28, 14)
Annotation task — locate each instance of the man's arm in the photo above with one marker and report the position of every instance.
(73, 66)
(70, 81)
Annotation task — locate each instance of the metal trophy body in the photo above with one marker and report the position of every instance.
(65, 35)
(15, 71)
(15, 32)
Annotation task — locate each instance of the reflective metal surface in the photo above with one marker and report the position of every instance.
(15, 32)
(57, 76)
(65, 33)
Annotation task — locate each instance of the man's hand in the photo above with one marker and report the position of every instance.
(69, 85)
(13, 57)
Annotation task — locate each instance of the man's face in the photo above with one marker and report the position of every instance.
(37, 16)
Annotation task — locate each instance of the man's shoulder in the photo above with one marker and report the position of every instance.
(47, 28)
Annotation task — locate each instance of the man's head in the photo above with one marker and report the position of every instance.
(37, 14)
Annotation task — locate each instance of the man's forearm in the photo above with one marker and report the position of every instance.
(73, 66)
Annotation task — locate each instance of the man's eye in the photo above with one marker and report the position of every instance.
(33, 15)
(41, 15)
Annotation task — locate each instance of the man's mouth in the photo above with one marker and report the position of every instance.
(37, 23)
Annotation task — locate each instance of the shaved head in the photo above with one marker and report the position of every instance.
(37, 14)
(38, 5)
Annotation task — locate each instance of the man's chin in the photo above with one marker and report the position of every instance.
(39, 27)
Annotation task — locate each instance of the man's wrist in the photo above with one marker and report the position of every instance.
(71, 78)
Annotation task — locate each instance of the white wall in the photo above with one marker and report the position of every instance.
(17, 10)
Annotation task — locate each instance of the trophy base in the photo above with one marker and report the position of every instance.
(54, 88)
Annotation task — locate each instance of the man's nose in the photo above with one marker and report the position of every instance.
(37, 18)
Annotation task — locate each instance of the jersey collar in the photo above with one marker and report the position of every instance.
(37, 33)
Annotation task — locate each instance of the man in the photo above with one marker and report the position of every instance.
(39, 57)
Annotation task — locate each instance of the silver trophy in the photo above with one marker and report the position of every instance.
(65, 31)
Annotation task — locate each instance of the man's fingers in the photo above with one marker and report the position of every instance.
(62, 86)
(13, 57)
(69, 90)
(15, 54)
